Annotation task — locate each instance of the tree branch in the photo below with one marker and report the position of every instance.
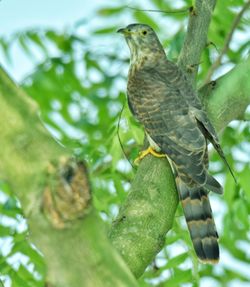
(79, 255)
(139, 231)
(196, 37)
(230, 96)
(176, 11)
(226, 43)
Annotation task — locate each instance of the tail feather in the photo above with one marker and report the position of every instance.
(213, 185)
(198, 214)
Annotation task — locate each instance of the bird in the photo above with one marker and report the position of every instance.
(163, 100)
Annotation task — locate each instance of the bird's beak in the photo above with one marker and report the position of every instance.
(124, 31)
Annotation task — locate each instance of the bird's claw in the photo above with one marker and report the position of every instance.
(147, 151)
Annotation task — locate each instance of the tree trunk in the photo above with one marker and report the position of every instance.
(75, 247)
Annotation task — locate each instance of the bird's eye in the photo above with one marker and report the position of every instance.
(144, 32)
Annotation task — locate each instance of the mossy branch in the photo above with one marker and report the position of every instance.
(81, 254)
(229, 96)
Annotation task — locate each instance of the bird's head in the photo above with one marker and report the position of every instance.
(142, 41)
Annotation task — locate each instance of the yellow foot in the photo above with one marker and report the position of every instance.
(147, 151)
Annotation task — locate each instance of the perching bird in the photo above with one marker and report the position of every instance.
(163, 100)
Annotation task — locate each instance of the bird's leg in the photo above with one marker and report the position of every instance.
(147, 151)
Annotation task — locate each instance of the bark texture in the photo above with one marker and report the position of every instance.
(80, 253)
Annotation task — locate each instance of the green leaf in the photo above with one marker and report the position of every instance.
(24, 274)
(177, 260)
(5, 46)
(244, 176)
(174, 47)
(116, 152)
(230, 189)
(6, 231)
(143, 17)
(36, 39)
(241, 213)
(4, 266)
(179, 276)
(23, 41)
(25, 248)
(17, 281)
(110, 11)
(105, 30)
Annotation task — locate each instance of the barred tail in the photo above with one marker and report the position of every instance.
(200, 222)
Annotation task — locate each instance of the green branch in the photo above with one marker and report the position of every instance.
(79, 255)
(196, 37)
(139, 231)
(230, 97)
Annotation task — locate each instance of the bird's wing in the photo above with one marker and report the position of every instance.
(173, 73)
(210, 133)
(167, 119)
(196, 107)
(182, 141)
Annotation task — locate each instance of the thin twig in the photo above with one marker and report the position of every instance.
(212, 44)
(162, 11)
(227, 43)
(118, 135)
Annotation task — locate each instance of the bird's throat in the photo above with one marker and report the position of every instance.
(141, 59)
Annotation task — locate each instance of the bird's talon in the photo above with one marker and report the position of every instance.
(143, 153)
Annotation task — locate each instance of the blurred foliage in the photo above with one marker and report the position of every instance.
(79, 82)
